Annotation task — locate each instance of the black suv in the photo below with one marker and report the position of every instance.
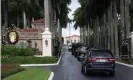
(98, 60)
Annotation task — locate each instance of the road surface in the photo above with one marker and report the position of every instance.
(70, 69)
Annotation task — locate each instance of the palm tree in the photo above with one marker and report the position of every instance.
(16, 7)
(116, 29)
(5, 4)
(127, 19)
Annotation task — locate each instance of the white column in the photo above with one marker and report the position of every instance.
(46, 35)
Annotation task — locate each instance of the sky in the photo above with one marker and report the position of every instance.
(65, 31)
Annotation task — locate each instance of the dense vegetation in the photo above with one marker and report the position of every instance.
(108, 21)
(9, 69)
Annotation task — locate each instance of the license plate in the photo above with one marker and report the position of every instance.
(101, 60)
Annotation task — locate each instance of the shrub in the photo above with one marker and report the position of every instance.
(16, 51)
(28, 60)
(9, 69)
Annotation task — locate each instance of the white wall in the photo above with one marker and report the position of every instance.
(73, 38)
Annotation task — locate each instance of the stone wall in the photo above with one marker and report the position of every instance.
(30, 34)
(24, 43)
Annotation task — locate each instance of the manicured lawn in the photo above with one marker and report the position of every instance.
(30, 74)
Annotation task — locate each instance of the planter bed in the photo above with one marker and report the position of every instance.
(28, 60)
(9, 69)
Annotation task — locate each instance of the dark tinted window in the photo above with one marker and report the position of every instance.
(101, 53)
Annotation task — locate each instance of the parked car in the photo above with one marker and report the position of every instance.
(75, 46)
(98, 60)
(69, 47)
(81, 52)
(77, 51)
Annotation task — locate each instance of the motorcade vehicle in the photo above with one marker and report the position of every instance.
(98, 60)
(81, 52)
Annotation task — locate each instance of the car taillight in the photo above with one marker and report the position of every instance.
(111, 60)
(92, 59)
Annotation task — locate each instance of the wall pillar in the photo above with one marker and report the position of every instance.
(47, 43)
(47, 35)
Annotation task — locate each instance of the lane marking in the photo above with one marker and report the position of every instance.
(125, 64)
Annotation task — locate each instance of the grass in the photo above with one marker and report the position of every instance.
(30, 74)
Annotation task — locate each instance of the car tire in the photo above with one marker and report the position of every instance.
(112, 73)
(72, 53)
(75, 55)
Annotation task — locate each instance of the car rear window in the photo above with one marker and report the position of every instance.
(99, 53)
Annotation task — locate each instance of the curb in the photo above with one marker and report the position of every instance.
(51, 76)
(125, 64)
(55, 64)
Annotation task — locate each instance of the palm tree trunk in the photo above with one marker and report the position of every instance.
(24, 20)
(97, 33)
(81, 34)
(122, 16)
(6, 13)
(109, 27)
(112, 29)
(127, 19)
(88, 35)
(0, 19)
(85, 32)
(18, 20)
(84, 35)
(116, 29)
(28, 22)
(104, 30)
(122, 24)
(94, 31)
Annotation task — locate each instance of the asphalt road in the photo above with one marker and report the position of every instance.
(70, 69)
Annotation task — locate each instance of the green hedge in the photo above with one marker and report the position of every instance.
(28, 60)
(9, 69)
(16, 51)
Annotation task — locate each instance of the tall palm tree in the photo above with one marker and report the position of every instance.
(16, 8)
(127, 19)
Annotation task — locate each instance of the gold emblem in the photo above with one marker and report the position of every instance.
(12, 37)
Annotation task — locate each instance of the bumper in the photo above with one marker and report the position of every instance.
(103, 68)
(100, 69)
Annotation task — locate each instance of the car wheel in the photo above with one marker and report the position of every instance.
(72, 53)
(112, 73)
(75, 55)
